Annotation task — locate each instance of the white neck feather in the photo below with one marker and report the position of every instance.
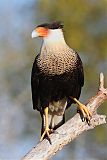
(54, 38)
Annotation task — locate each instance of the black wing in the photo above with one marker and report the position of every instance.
(79, 80)
(80, 71)
(35, 85)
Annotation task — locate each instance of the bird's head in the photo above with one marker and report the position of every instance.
(46, 29)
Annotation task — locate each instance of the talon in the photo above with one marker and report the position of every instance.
(88, 121)
(83, 119)
(86, 113)
(46, 132)
(84, 110)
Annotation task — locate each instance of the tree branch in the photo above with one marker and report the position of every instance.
(71, 129)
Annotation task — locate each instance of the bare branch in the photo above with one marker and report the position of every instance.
(101, 81)
(71, 129)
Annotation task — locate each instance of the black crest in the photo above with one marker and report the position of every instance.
(53, 25)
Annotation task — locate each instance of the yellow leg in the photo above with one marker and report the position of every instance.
(47, 130)
(85, 111)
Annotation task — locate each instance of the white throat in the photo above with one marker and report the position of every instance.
(55, 37)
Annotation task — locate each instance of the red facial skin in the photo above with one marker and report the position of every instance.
(43, 32)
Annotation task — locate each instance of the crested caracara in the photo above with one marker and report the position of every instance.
(57, 78)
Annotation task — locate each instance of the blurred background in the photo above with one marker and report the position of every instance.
(85, 30)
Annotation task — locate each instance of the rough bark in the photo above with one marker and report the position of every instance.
(71, 129)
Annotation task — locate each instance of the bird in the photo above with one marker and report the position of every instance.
(57, 78)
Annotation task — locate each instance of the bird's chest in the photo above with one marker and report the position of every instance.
(56, 64)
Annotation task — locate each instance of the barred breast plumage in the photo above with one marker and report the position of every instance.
(57, 61)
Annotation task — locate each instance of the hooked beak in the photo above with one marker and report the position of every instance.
(34, 34)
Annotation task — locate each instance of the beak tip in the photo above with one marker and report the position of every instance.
(31, 35)
(34, 34)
